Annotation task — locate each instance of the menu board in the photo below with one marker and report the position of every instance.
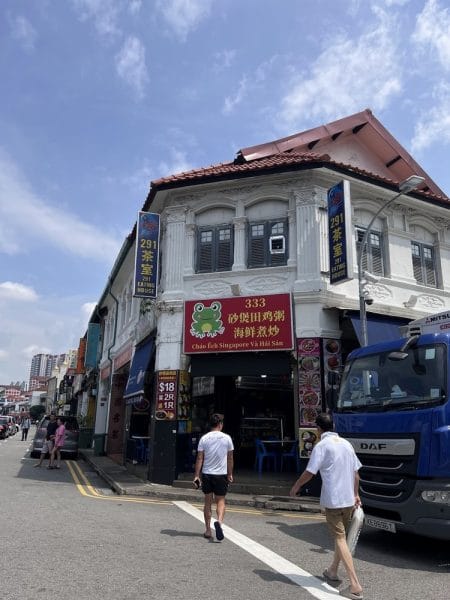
(332, 361)
(166, 395)
(309, 380)
(308, 437)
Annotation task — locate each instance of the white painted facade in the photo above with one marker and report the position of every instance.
(301, 198)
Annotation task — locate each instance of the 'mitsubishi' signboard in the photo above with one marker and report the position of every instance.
(339, 232)
(241, 324)
(146, 260)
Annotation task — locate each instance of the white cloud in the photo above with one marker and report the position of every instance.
(347, 76)
(434, 124)
(86, 311)
(183, 16)
(433, 31)
(33, 349)
(134, 6)
(231, 102)
(139, 180)
(396, 2)
(23, 31)
(130, 65)
(20, 205)
(223, 60)
(178, 164)
(17, 291)
(3, 354)
(104, 13)
(51, 325)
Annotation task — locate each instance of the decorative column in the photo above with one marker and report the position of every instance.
(292, 260)
(175, 219)
(240, 224)
(308, 240)
(189, 247)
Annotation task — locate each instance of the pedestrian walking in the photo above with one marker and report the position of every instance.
(338, 464)
(215, 465)
(25, 425)
(59, 442)
(48, 442)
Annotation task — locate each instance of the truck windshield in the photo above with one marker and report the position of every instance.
(381, 382)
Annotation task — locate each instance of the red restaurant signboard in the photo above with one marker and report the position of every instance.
(238, 324)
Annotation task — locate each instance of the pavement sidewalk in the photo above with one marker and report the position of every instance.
(123, 482)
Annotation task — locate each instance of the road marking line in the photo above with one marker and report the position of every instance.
(308, 582)
(93, 493)
(77, 468)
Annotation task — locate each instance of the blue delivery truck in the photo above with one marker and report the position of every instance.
(393, 406)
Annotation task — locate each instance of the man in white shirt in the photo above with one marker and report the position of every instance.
(215, 463)
(338, 464)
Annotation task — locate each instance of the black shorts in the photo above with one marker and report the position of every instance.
(215, 484)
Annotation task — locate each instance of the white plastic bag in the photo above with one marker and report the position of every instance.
(354, 529)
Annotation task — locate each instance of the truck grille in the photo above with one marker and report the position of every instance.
(386, 477)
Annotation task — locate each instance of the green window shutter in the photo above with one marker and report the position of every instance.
(205, 251)
(224, 249)
(256, 251)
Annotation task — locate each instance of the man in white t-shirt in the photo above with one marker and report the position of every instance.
(215, 463)
(338, 464)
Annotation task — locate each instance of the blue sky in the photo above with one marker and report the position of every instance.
(99, 97)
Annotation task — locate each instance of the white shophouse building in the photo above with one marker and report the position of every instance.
(247, 231)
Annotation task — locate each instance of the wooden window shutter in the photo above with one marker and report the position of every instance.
(257, 243)
(205, 251)
(224, 249)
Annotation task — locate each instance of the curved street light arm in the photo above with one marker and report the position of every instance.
(408, 185)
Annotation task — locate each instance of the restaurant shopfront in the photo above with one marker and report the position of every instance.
(244, 362)
(241, 365)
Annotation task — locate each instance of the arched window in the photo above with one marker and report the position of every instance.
(215, 240)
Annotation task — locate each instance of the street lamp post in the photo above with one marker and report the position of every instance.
(405, 186)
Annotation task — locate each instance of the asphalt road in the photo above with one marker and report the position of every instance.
(66, 536)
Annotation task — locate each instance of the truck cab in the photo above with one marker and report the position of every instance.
(393, 407)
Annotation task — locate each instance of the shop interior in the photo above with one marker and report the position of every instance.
(256, 407)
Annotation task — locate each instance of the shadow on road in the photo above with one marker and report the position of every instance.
(401, 550)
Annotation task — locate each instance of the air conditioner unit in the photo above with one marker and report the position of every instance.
(277, 244)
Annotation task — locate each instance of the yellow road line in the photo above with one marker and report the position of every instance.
(75, 469)
(87, 489)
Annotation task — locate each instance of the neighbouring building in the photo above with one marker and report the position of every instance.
(42, 365)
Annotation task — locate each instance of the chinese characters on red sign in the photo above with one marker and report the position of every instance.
(243, 324)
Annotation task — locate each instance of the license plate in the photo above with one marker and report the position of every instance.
(380, 524)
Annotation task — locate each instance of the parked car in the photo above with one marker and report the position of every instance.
(4, 428)
(10, 424)
(70, 447)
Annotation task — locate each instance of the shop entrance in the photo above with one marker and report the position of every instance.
(254, 392)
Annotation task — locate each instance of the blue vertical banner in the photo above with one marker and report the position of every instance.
(340, 233)
(147, 255)
(92, 345)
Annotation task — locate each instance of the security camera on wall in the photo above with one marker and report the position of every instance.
(369, 300)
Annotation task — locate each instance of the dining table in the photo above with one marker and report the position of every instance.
(275, 445)
(279, 447)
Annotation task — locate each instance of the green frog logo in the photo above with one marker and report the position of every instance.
(206, 320)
